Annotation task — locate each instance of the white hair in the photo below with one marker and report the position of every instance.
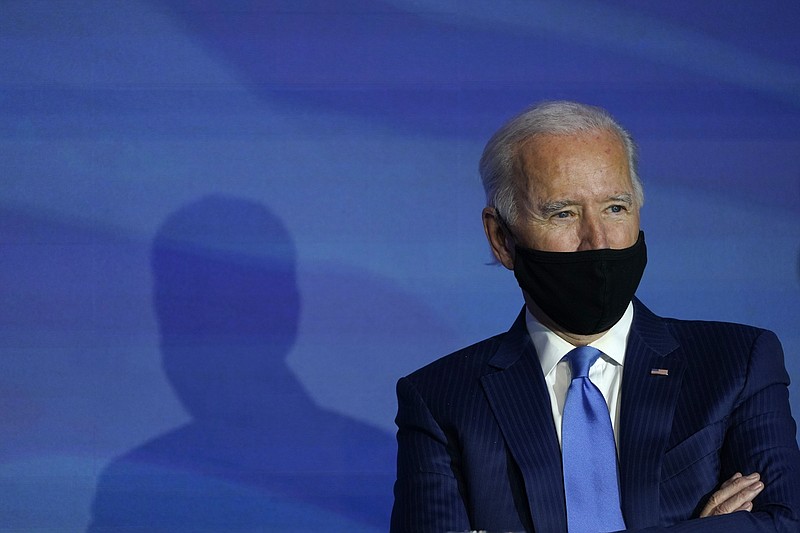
(546, 118)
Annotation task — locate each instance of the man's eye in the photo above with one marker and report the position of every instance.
(562, 214)
(617, 208)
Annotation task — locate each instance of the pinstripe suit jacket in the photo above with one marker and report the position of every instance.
(478, 448)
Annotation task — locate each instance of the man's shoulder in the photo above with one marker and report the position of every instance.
(683, 327)
(702, 336)
(692, 328)
(470, 360)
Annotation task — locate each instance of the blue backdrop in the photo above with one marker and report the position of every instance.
(229, 227)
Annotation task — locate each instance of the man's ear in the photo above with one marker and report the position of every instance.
(496, 234)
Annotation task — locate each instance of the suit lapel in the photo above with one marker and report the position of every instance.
(521, 404)
(646, 412)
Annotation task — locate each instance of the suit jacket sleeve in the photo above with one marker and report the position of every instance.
(427, 496)
(761, 437)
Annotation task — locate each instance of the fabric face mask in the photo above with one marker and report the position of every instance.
(584, 292)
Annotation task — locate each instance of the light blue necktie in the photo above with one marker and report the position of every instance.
(588, 452)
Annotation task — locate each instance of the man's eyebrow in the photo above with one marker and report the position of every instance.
(625, 197)
(548, 208)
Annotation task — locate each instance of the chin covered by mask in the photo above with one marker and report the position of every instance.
(584, 292)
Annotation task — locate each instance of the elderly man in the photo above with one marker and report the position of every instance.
(591, 413)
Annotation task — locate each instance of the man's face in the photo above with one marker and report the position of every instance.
(575, 193)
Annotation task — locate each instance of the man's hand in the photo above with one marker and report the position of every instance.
(736, 494)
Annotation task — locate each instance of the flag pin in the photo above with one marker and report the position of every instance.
(659, 372)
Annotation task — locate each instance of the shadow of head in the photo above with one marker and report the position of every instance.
(227, 304)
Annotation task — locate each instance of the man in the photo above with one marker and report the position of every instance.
(505, 435)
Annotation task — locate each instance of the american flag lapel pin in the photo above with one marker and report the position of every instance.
(659, 372)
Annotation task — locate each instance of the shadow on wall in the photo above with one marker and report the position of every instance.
(258, 453)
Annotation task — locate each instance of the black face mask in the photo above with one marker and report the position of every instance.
(584, 292)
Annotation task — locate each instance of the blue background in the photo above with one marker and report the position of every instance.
(229, 227)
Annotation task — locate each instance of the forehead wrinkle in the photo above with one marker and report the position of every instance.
(544, 154)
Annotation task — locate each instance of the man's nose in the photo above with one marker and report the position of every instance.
(592, 234)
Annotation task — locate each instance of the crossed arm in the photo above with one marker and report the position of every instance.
(735, 494)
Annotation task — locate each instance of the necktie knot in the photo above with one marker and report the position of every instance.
(581, 360)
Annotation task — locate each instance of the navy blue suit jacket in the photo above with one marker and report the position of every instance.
(478, 447)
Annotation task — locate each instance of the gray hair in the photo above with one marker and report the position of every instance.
(546, 118)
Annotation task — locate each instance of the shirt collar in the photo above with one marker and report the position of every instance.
(551, 348)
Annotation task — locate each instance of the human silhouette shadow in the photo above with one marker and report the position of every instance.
(258, 454)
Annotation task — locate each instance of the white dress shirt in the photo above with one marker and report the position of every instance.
(605, 373)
